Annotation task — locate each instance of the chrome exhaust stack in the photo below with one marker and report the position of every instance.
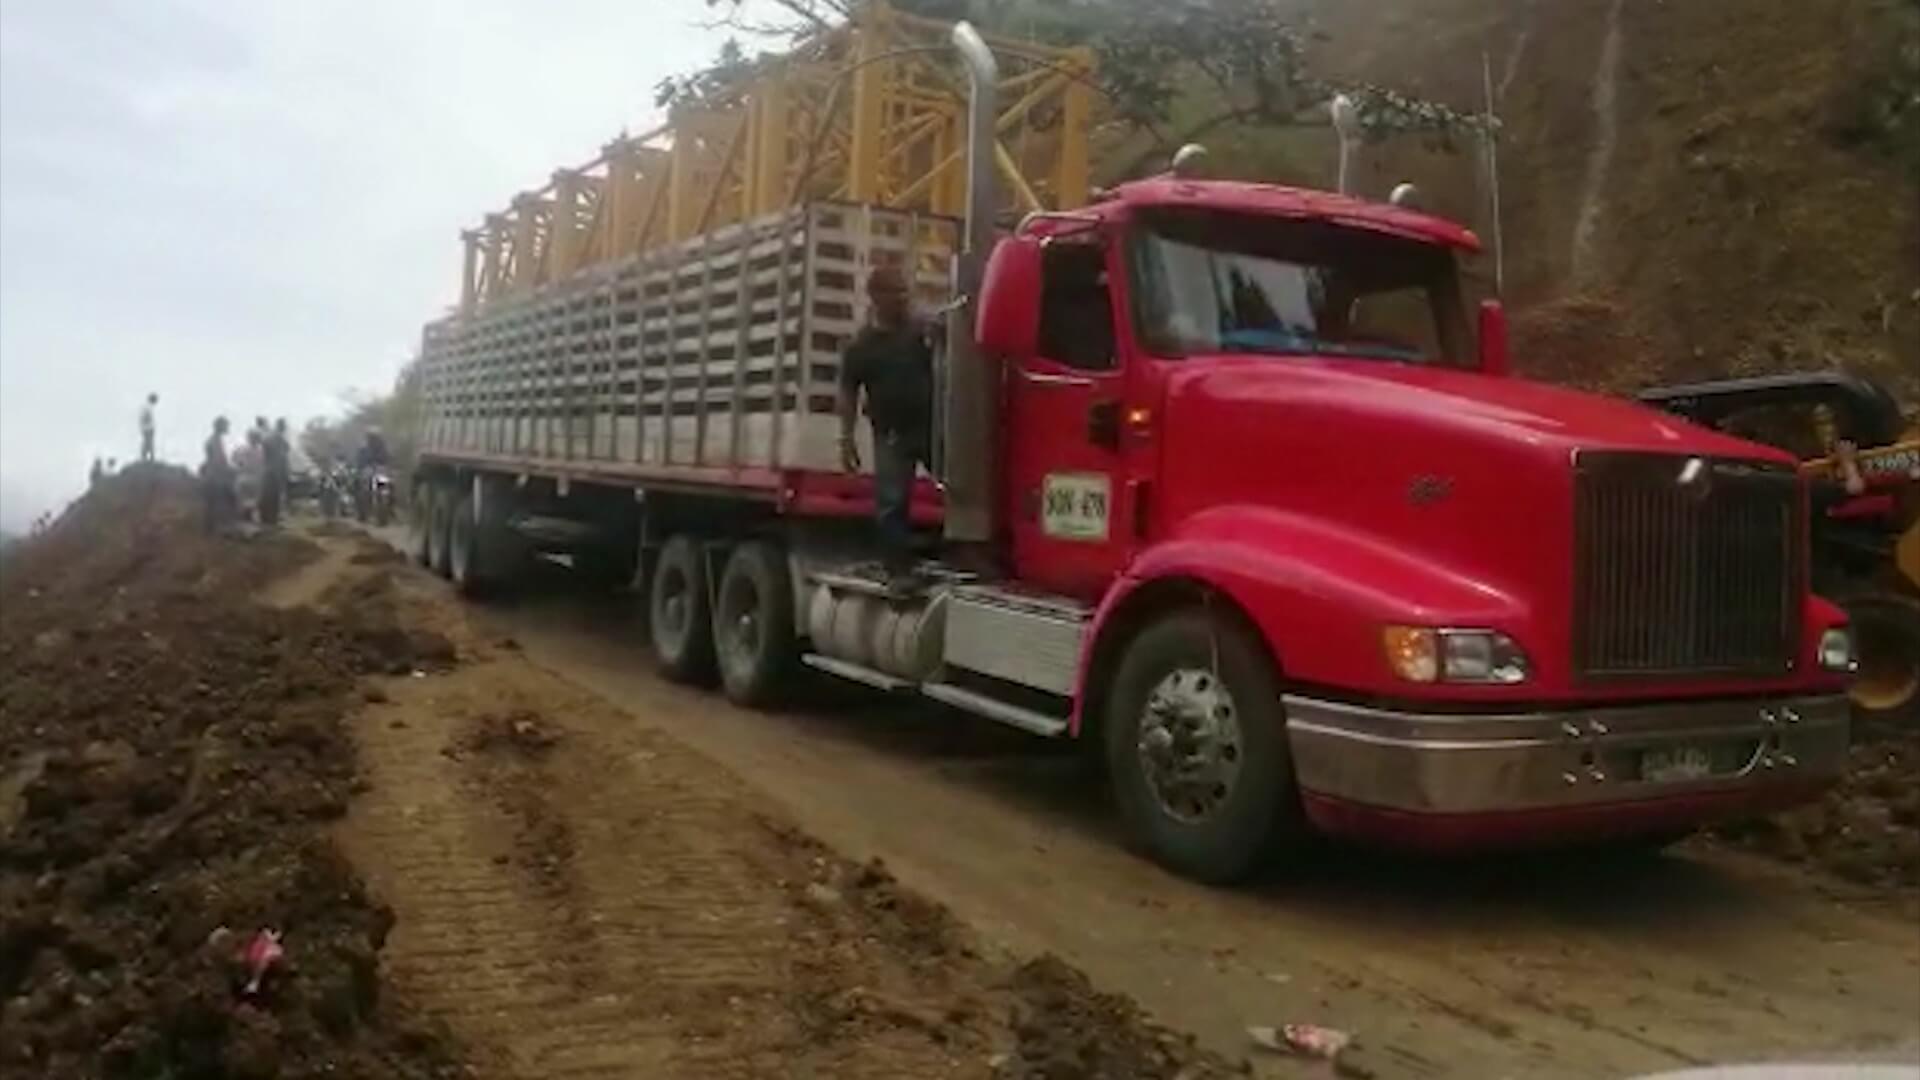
(969, 405)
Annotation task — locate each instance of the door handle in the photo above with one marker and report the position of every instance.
(1103, 424)
(1044, 378)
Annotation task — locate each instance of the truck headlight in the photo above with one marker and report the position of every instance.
(1836, 650)
(1425, 654)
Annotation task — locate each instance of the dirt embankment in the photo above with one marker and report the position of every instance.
(170, 756)
(202, 739)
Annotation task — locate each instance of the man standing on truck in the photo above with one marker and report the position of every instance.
(892, 360)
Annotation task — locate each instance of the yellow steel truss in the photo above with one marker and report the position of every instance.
(871, 112)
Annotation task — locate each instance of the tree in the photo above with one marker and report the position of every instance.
(1191, 65)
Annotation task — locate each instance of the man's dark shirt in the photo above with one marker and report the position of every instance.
(215, 468)
(277, 453)
(895, 367)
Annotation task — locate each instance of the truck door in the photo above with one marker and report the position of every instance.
(1066, 484)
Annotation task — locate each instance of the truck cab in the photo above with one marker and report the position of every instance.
(1411, 597)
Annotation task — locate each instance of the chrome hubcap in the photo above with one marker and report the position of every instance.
(1189, 744)
(740, 615)
(673, 605)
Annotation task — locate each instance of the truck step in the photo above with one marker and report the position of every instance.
(993, 708)
(859, 673)
(871, 579)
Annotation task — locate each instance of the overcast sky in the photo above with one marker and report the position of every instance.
(250, 206)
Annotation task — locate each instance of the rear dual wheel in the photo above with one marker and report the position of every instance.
(753, 629)
(677, 613)
(420, 525)
(738, 630)
(440, 511)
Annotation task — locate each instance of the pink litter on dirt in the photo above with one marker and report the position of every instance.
(261, 953)
(1309, 1040)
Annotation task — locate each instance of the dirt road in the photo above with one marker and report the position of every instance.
(1501, 968)
(578, 895)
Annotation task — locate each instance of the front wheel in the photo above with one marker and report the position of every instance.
(753, 631)
(1886, 632)
(1196, 748)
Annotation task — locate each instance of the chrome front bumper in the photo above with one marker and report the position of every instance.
(1447, 764)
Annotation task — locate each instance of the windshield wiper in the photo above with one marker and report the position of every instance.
(1274, 342)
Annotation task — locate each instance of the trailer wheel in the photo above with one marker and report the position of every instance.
(439, 527)
(1196, 748)
(1886, 629)
(753, 632)
(420, 525)
(463, 548)
(677, 613)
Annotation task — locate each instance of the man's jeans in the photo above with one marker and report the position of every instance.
(894, 460)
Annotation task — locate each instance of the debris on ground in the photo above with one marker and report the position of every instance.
(1065, 1028)
(521, 731)
(1306, 1040)
(1866, 830)
(171, 756)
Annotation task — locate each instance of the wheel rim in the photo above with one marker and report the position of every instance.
(740, 623)
(675, 609)
(1889, 674)
(1189, 745)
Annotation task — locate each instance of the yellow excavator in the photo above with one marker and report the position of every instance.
(1861, 458)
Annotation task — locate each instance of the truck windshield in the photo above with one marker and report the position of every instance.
(1211, 283)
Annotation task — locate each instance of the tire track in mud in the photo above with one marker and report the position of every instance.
(584, 909)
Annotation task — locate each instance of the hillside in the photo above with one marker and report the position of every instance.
(1689, 189)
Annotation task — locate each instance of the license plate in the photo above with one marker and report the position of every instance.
(1676, 763)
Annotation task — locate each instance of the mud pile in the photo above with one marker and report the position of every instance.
(1867, 829)
(170, 754)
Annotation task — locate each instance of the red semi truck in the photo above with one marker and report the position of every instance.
(1231, 486)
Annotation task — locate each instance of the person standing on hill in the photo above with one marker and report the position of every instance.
(891, 360)
(146, 427)
(95, 474)
(273, 481)
(249, 464)
(216, 478)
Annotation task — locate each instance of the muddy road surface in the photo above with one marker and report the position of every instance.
(1562, 966)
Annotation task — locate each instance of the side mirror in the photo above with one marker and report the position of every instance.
(1007, 322)
(1493, 339)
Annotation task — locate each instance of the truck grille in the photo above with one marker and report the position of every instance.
(1674, 578)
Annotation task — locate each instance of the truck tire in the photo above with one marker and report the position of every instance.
(1196, 748)
(464, 566)
(753, 632)
(678, 618)
(439, 526)
(1886, 629)
(420, 525)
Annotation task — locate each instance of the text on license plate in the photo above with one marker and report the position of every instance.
(1676, 763)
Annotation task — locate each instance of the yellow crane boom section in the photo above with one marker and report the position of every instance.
(873, 112)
